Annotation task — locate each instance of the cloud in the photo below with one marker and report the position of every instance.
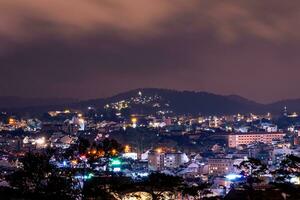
(84, 16)
(86, 48)
(229, 20)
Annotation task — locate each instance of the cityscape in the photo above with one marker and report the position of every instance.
(117, 150)
(149, 100)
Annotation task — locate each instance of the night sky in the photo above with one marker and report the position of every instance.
(96, 48)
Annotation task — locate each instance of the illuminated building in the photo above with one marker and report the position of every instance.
(115, 165)
(80, 122)
(156, 161)
(268, 127)
(159, 160)
(131, 155)
(237, 139)
(220, 166)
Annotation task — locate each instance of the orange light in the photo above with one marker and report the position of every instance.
(11, 121)
(113, 152)
(127, 149)
(159, 150)
(101, 153)
(134, 120)
(74, 162)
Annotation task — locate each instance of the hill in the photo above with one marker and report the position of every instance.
(151, 100)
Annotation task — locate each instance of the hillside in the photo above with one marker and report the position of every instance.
(153, 100)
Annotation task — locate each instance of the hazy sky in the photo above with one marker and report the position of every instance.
(95, 48)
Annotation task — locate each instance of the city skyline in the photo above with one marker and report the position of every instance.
(96, 49)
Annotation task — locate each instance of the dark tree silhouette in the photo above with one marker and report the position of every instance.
(108, 187)
(110, 147)
(161, 185)
(83, 145)
(289, 168)
(38, 179)
(197, 192)
(252, 169)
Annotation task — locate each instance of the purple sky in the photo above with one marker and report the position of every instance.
(96, 48)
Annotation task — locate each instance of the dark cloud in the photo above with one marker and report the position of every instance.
(94, 48)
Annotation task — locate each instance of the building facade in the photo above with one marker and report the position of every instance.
(237, 139)
(220, 166)
(169, 160)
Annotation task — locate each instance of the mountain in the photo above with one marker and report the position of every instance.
(185, 102)
(190, 102)
(152, 100)
(293, 105)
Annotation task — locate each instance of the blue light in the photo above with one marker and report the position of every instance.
(85, 177)
(233, 176)
(117, 169)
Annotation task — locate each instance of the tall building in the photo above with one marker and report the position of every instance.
(236, 139)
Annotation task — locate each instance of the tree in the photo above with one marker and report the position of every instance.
(83, 145)
(160, 186)
(107, 187)
(195, 191)
(288, 170)
(59, 187)
(30, 178)
(110, 147)
(289, 167)
(252, 169)
(38, 179)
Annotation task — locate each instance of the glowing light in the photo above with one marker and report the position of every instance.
(89, 176)
(11, 121)
(101, 153)
(130, 155)
(127, 149)
(295, 180)
(134, 120)
(113, 152)
(83, 157)
(40, 141)
(116, 162)
(117, 169)
(74, 162)
(159, 150)
(233, 176)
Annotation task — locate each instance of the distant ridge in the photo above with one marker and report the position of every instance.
(181, 102)
(21, 102)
